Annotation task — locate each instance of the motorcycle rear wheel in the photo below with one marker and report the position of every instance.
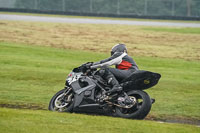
(63, 107)
(140, 110)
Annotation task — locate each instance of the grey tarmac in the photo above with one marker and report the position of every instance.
(95, 21)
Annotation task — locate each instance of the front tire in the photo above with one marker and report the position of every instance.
(62, 103)
(140, 110)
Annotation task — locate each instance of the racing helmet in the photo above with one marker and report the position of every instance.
(118, 48)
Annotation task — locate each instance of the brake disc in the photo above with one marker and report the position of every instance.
(60, 102)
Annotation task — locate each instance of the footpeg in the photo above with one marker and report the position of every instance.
(153, 100)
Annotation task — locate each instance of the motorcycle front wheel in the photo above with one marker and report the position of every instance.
(62, 102)
(140, 109)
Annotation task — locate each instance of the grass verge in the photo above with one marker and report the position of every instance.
(28, 121)
(141, 41)
(174, 30)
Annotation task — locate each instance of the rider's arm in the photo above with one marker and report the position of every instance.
(113, 60)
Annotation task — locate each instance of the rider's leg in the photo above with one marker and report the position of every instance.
(110, 78)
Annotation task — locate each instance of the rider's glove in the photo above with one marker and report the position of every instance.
(86, 66)
(89, 64)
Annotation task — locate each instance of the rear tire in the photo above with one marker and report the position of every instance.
(55, 98)
(138, 111)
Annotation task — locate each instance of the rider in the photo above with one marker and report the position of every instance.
(125, 65)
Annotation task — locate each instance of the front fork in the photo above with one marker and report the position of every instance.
(66, 92)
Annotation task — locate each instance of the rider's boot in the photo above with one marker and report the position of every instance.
(116, 88)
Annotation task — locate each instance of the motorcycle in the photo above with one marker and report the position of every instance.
(86, 91)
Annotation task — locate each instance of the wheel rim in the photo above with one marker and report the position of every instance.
(135, 108)
(62, 102)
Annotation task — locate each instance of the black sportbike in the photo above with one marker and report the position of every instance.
(86, 91)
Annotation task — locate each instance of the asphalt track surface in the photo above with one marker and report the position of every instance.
(95, 21)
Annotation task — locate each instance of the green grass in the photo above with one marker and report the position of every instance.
(30, 75)
(33, 74)
(101, 38)
(29, 121)
(174, 30)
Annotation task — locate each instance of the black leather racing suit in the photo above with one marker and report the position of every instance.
(125, 65)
